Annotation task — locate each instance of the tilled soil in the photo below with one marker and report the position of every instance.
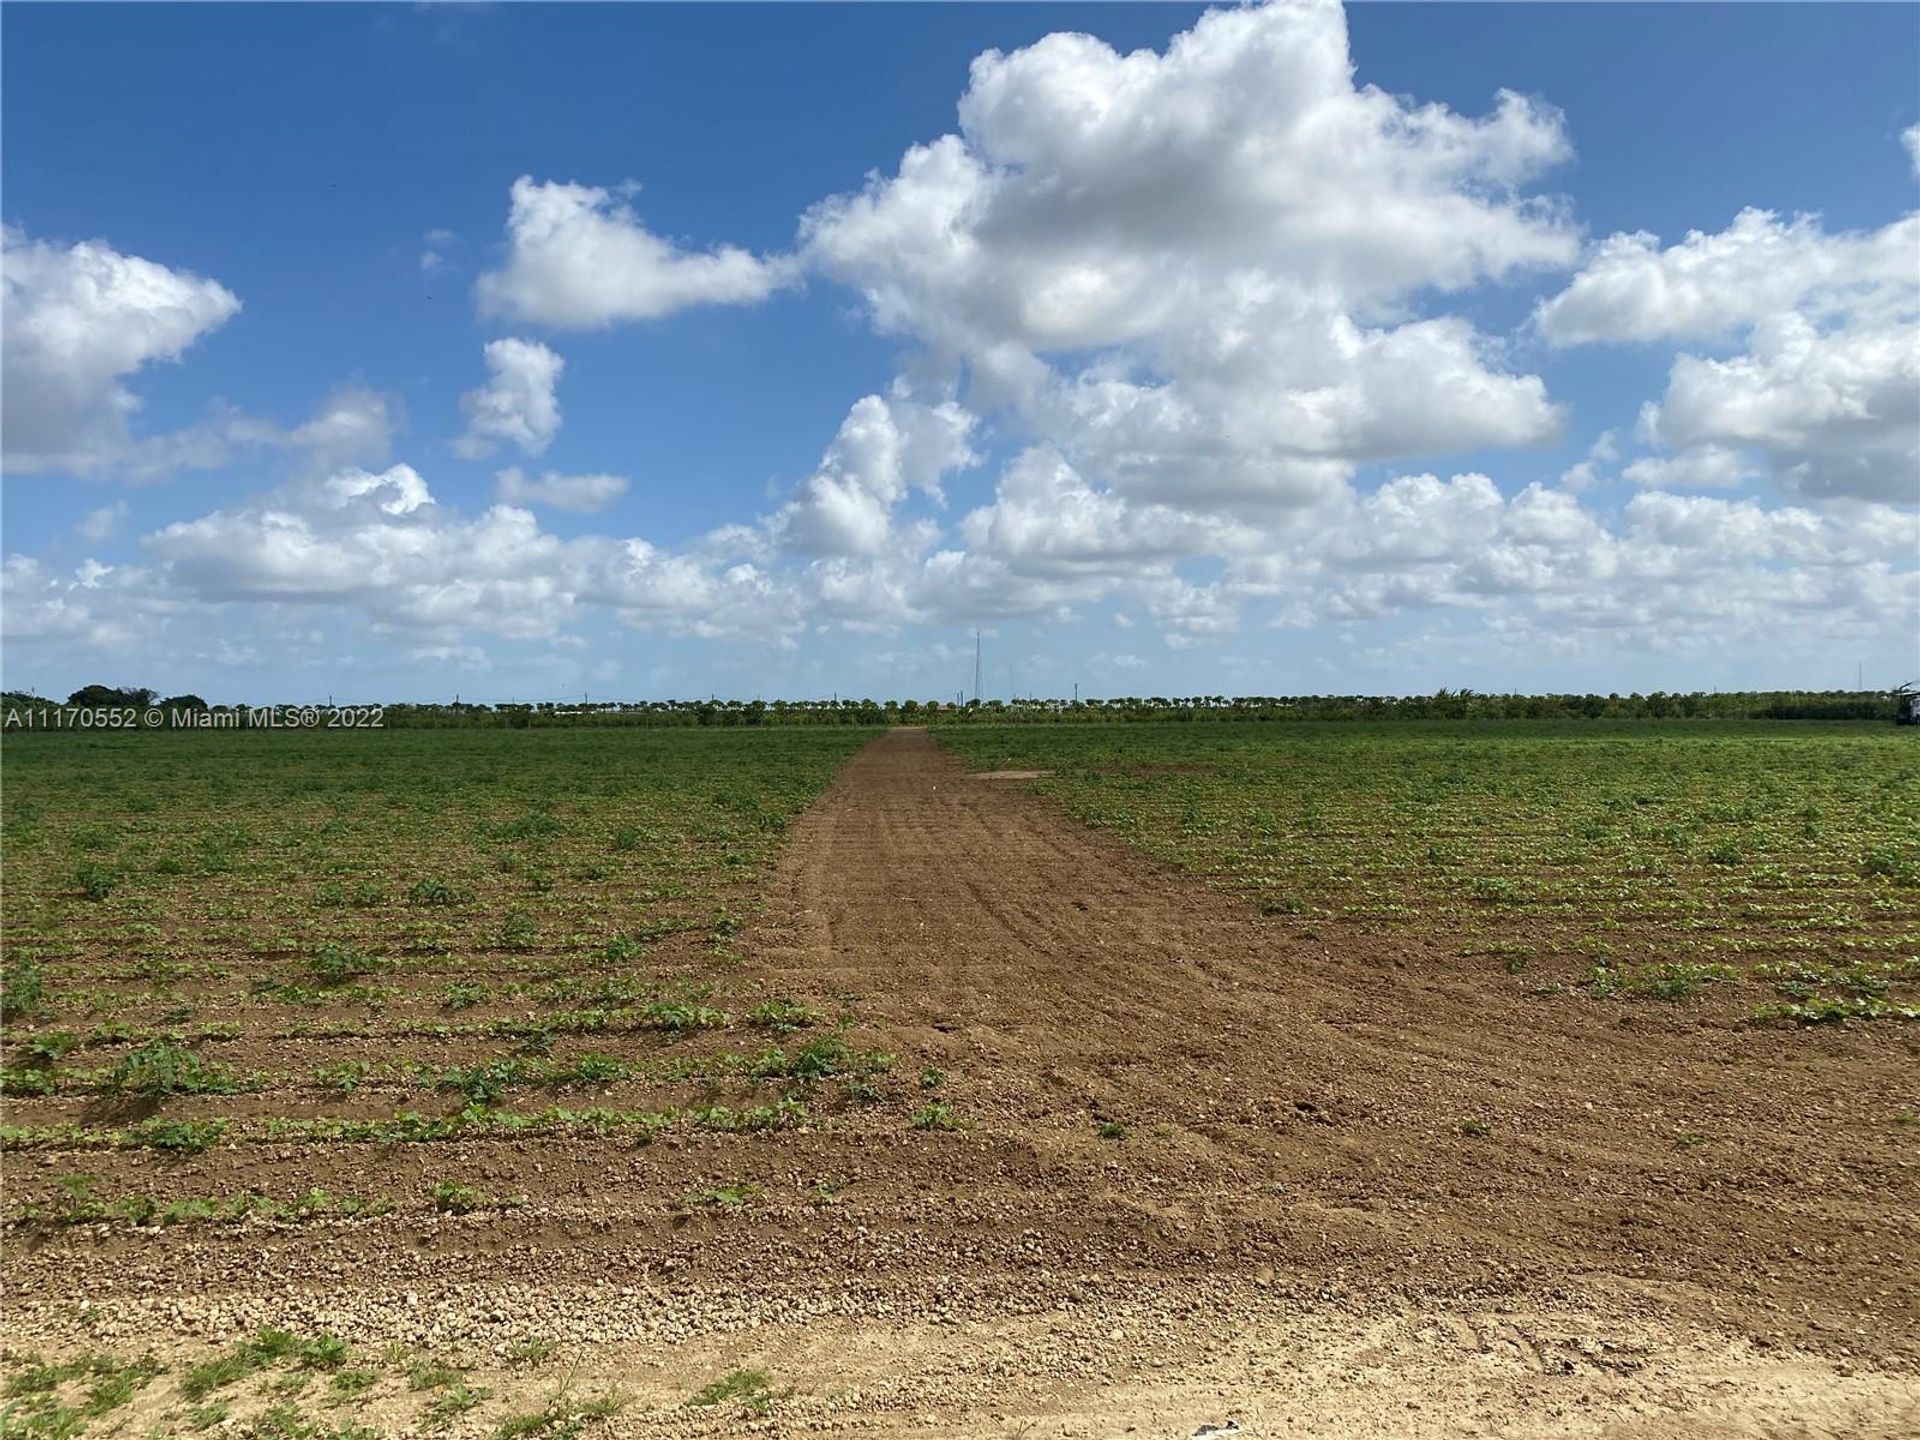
(1211, 1166)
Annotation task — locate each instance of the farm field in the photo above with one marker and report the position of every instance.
(1388, 1081)
(1771, 871)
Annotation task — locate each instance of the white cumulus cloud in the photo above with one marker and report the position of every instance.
(79, 321)
(1193, 269)
(887, 446)
(579, 259)
(1194, 302)
(517, 404)
(1825, 382)
(1046, 519)
(1711, 285)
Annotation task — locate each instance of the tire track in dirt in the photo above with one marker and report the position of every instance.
(1054, 965)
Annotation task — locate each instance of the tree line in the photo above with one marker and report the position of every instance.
(1441, 705)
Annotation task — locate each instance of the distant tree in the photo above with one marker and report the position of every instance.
(97, 697)
(185, 702)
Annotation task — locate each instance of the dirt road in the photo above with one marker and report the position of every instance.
(1212, 1166)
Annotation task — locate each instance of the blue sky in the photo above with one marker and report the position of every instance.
(1196, 370)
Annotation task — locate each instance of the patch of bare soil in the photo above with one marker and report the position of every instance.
(1208, 1169)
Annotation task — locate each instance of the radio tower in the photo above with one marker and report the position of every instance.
(976, 667)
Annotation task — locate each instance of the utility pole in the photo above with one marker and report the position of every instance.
(976, 667)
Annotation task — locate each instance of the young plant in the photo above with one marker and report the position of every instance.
(161, 1067)
(752, 1390)
(935, 1116)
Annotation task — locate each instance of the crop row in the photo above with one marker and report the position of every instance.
(1738, 854)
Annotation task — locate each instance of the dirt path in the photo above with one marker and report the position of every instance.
(1358, 1191)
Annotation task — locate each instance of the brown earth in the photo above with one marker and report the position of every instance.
(1362, 1191)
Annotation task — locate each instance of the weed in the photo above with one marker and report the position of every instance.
(285, 1422)
(431, 890)
(561, 1418)
(729, 1198)
(935, 1116)
(95, 881)
(826, 1190)
(1496, 890)
(523, 1354)
(518, 931)
(621, 951)
(819, 1059)
(462, 995)
(932, 1079)
(598, 1069)
(36, 1411)
(349, 1385)
(535, 1040)
(322, 1352)
(1478, 1129)
(751, 1389)
(161, 1067)
(336, 964)
(51, 1047)
(1112, 1130)
(431, 1375)
(782, 1016)
(267, 1346)
(452, 1198)
(483, 1085)
(454, 1399)
(23, 988)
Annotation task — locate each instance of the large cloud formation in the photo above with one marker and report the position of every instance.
(1208, 303)
(1824, 383)
(79, 321)
(1685, 574)
(1192, 272)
